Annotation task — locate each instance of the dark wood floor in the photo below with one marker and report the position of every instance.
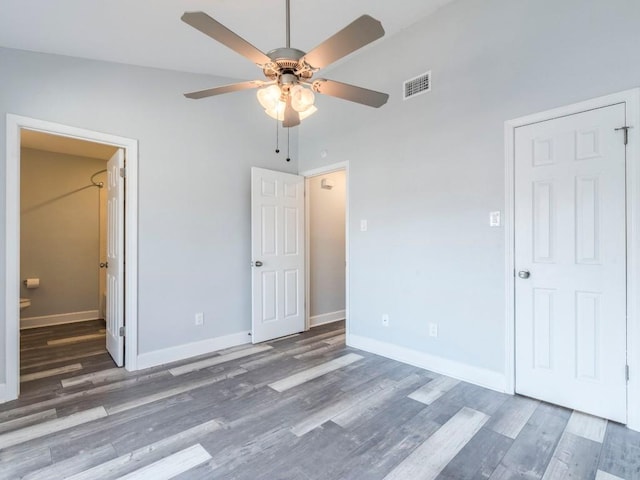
(303, 407)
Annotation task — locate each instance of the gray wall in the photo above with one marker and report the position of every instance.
(327, 244)
(426, 172)
(59, 232)
(195, 159)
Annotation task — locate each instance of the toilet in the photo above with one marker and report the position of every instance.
(24, 303)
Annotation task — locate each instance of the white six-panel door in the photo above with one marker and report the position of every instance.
(277, 249)
(571, 262)
(115, 258)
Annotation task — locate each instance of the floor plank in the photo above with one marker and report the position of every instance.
(429, 459)
(532, 450)
(210, 362)
(125, 464)
(574, 457)
(433, 390)
(22, 422)
(66, 468)
(51, 372)
(80, 338)
(587, 426)
(511, 420)
(172, 465)
(22, 435)
(315, 372)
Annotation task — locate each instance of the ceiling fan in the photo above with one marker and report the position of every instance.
(287, 94)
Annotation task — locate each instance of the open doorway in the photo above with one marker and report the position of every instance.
(118, 182)
(62, 229)
(326, 245)
(63, 250)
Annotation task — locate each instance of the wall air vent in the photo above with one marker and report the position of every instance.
(417, 85)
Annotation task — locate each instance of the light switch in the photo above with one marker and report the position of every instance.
(363, 225)
(494, 219)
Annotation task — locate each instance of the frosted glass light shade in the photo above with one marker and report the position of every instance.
(301, 101)
(308, 112)
(269, 96)
(277, 111)
(301, 98)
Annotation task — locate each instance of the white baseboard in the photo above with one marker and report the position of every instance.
(468, 373)
(4, 393)
(330, 317)
(59, 319)
(182, 352)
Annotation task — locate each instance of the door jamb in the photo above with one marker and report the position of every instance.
(12, 253)
(631, 99)
(307, 174)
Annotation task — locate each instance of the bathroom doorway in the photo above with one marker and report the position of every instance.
(62, 202)
(63, 228)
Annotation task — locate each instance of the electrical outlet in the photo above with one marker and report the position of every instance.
(385, 319)
(200, 318)
(433, 329)
(364, 225)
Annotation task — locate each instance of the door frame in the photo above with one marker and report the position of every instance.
(12, 253)
(631, 99)
(307, 174)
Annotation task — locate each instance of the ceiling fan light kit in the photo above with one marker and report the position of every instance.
(287, 94)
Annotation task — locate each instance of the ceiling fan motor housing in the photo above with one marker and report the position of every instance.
(287, 61)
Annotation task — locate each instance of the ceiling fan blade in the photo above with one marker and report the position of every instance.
(291, 117)
(234, 87)
(357, 34)
(214, 29)
(350, 92)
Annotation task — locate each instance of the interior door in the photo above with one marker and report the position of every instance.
(570, 246)
(115, 257)
(277, 249)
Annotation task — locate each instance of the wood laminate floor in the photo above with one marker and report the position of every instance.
(300, 408)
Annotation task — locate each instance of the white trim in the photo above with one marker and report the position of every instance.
(12, 218)
(4, 393)
(307, 255)
(509, 264)
(325, 318)
(189, 350)
(335, 167)
(468, 373)
(631, 99)
(633, 259)
(58, 319)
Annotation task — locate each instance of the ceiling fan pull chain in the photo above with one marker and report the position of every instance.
(288, 136)
(277, 136)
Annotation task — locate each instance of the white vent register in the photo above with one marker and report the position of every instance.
(417, 85)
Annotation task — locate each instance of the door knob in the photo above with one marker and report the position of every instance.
(104, 264)
(258, 263)
(524, 274)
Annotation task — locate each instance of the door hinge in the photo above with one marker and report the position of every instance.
(626, 133)
(626, 372)
(123, 172)
(121, 332)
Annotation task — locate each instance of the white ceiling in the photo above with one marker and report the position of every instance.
(150, 33)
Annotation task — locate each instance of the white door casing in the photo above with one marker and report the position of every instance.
(115, 258)
(570, 234)
(277, 253)
(14, 123)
